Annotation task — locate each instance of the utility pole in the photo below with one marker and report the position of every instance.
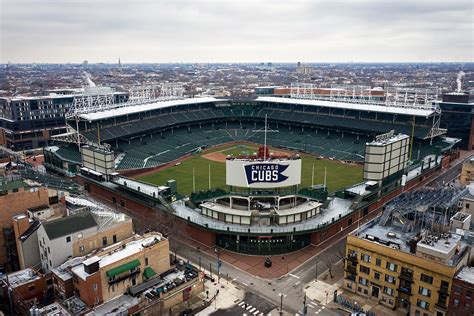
(305, 309)
(281, 302)
(316, 279)
(194, 182)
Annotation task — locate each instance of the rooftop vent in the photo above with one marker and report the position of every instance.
(391, 235)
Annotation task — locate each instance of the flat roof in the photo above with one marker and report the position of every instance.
(145, 188)
(389, 140)
(21, 277)
(352, 106)
(225, 209)
(131, 109)
(466, 274)
(442, 246)
(129, 249)
(307, 206)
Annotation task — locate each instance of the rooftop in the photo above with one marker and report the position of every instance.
(63, 271)
(144, 107)
(69, 224)
(54, 309)
(446, 248)
(387, 140)
(127, 250)
(352, 106)
(21, 277)
(466, 274)
(12, 185)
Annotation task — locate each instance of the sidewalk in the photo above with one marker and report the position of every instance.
(316, 290)
(228, 296)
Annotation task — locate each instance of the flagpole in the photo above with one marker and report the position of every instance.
(312, 177)
(265, 141)
(209, 177)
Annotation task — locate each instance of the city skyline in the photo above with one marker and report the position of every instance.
(248, 31)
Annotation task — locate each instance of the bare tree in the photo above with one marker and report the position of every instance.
(328, 261)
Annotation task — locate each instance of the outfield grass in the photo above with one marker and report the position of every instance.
(339, 175)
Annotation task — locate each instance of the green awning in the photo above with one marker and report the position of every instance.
(149, 272)
(123, 268)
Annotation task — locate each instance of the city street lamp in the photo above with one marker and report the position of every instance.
(281, 302)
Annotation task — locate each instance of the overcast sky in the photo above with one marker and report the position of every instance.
(236, 30)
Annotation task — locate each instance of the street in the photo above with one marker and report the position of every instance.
(292, 285)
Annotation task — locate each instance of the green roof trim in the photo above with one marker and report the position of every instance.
(149, 272)
(12, 185)
(123, 268)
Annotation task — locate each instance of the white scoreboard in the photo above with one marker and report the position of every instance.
(263, 174)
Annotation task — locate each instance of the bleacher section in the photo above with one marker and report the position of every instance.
(150, 139)
(162, 147)
(351, 121)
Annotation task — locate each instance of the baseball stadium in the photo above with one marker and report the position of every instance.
(260, 176)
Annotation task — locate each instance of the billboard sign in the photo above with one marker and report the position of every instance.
(263, 174)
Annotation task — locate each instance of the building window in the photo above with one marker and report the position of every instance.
(378, 262)
(81, 248)
(426, 278)
(146, 261)
(468, 294)
(423, 304)
(377, 275)
(96, 300)
(363, 281)
(438, 313)
(31, 288)
(94, 287)
(68, 239)
(388, 291)
(467, 205)
(457, 290)
(49, 250)
(114, 238)
(104, 241)
(424, 291)
(390, 279)
(364, 269)
(365, 257)
(456, 302)
(391, 266)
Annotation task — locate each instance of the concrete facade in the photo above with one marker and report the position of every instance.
(26, 245)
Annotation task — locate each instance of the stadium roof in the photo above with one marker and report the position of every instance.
(353, 106)
(144, 107)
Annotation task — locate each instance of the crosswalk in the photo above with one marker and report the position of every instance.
(313, 307)
(249, 309)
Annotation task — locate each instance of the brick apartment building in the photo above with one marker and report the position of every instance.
(461, 297)
(112, 271)
(15, 198)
